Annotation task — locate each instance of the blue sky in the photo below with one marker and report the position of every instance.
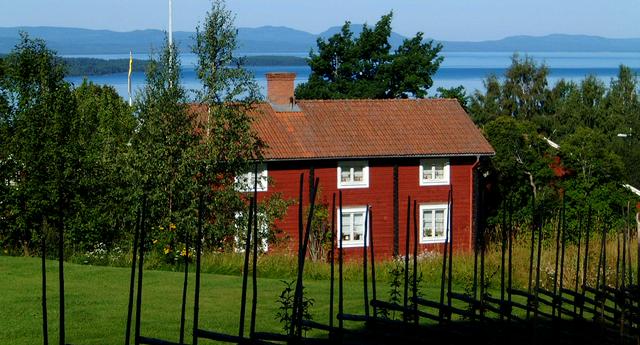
(442, 19)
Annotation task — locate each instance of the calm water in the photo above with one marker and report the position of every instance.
(459, 68)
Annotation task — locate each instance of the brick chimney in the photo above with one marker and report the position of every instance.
(280, 90)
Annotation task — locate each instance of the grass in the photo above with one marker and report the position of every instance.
(96, 296)
(96, 302)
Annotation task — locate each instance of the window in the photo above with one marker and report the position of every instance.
(241, 224)
(245, 182)
(434, 222)
(352, 226)
(434, 172)
(353, 174)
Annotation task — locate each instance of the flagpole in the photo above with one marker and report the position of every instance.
(170, 23)
(170, 36)
(129, 77)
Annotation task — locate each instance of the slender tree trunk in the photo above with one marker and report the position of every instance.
(533, 185)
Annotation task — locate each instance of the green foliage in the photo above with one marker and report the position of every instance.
(161, 159)
(524, 91)
(65, 153)
(345, 66)
(223, 77)
(320, 238)
(228, 145)
(270, 209)
(583, 118)
(39, 120)
(285, 309)
(521, 166)
(81, 159)
(457, 92)
(101, 204)
(395, 285)
(523, 94)
(93, 66)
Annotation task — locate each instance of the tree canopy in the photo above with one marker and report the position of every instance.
(364, 66)
(81, 159)
(520, 111)
(60, 151)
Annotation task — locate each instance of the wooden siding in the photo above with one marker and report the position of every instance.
(285, 176)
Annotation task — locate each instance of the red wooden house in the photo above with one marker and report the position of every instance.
(377, 152)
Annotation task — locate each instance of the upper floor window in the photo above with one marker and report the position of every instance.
(434, 172)
(434, 221)
(245, 182)
(352, 226)
(353, 174)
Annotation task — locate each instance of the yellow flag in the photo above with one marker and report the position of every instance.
(130, 63)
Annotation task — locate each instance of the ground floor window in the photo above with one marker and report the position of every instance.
(242, 222)
(434, 222)
(352, 226)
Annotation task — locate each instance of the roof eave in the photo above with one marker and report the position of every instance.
(470, 154)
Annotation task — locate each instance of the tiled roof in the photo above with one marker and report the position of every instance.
(324, 129)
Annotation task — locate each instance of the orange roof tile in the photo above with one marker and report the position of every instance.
(324, 129)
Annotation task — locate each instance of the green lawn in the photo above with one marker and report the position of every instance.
(96, 302)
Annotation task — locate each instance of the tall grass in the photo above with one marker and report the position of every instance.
(283, 265)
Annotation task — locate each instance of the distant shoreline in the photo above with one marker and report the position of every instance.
(84, 66)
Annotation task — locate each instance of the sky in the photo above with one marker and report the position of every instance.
(457, 20)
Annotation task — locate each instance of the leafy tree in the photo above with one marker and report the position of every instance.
(38, 110)
(586, 152)
(584, 117)
(457, 92)
(623, 104)
(598, 174)
(521, 165)
(63, 153)
(364, 67)
(163, 142)
(522, 94)
(102, 207)
(228, 145)
(524, 91)
(486, 107)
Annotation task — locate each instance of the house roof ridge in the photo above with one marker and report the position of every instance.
(374, 100)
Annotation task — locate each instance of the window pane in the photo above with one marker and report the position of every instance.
(263, 180)
(439, 222)
(439, 171)
(358, 174)
(345, 175)
(427, 224)
(345, 226)
(358, 227)
(427, 173)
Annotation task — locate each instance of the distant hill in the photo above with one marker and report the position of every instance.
(275, 39)
(555, 42)
(284, 40)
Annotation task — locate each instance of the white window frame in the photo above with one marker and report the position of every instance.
(352, 165)
(430, 163)
(352, 243)
(244, 182)
(433, 208)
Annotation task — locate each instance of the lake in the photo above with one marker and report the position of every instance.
(459, 68)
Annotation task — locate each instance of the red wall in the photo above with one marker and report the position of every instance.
(285, 178)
